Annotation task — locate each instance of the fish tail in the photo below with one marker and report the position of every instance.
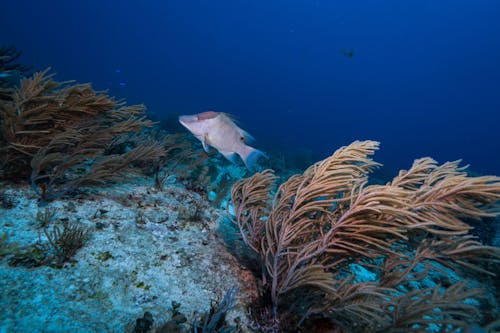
(250, 155)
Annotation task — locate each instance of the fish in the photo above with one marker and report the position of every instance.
(11, 76)
(218, 130)
(348, 54)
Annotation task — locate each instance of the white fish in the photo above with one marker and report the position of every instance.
(217, 130)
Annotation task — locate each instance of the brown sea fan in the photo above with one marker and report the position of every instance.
(328, 216)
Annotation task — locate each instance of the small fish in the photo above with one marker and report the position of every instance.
(12, 77)
(8, 74)
(217, 130)
(348, 54)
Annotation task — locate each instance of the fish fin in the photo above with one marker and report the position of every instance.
(250, 156)
(230, 156)
(229, 117)
(205, 144)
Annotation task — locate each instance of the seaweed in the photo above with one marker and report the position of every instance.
(63, 240)
(66, 239)
(214, 321)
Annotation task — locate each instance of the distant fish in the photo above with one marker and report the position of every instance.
(9, 74)
(346, 53)
(12, 77)
(216, 129)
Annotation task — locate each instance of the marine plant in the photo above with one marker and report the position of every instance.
(10, 70)
(316, 227)
(214, 321)
(63, 239)
(60, 135)
(180, 157)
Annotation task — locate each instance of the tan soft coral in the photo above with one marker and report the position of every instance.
(319, 221)
(49, 130)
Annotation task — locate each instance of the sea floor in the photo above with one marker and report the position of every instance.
(146, 250)
(165, 252)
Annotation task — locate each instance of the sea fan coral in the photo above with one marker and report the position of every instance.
(320, 222)
(10, 71)
(58, 134)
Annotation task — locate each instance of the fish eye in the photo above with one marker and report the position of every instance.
(242, 138)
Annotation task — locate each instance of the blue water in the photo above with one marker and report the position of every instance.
(424, 76)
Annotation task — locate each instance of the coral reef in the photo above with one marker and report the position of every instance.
(318, 224)
(61, 135)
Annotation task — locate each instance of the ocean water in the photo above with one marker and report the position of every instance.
(304, 78)
(423, 78)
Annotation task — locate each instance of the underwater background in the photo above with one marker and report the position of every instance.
(125, 208)
(422, 77)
